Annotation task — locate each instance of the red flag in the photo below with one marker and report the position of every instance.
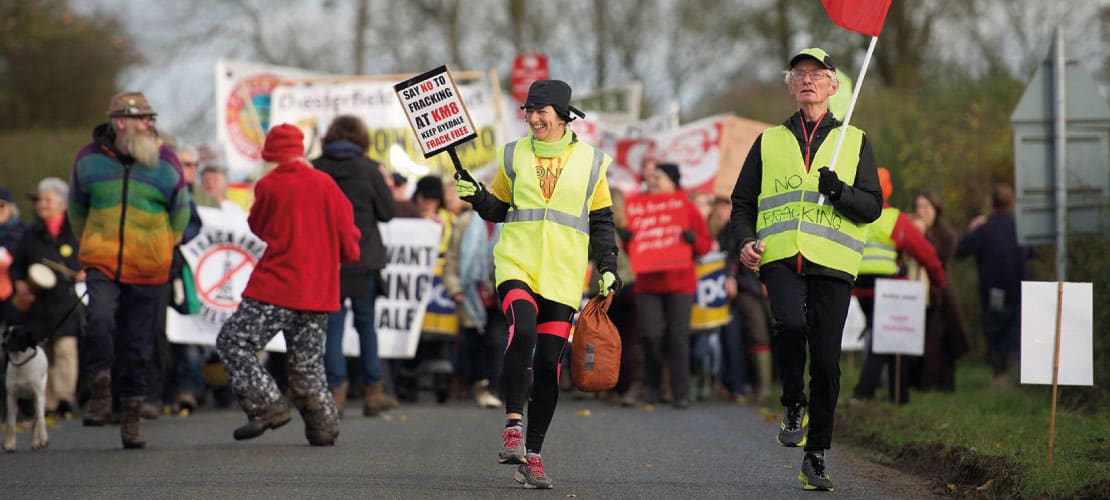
(861, 16)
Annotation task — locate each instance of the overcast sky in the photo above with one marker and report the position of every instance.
(182, 87)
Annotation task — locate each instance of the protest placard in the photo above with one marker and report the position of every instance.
(710, 299)
(657, 222)
(898, 324)
(1038, 333)
(435, 111)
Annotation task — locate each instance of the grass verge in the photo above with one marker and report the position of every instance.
(983, 442)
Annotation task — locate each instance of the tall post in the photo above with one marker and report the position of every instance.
(1059, 68)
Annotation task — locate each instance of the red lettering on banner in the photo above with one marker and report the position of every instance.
(427, 86)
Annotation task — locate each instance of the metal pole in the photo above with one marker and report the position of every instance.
(1059, 68)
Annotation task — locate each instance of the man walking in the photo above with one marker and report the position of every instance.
(802, 226)
(128, 207)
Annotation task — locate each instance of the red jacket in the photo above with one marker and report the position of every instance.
(308, 226)
(683, 280)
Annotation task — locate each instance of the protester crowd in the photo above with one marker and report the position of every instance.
(116, 268)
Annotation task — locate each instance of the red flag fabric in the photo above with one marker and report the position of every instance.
(861, 16)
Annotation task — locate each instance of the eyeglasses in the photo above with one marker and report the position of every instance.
(815, 75)
(145, 118)
(188, 164)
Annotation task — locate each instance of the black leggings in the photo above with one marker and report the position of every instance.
(538, 330)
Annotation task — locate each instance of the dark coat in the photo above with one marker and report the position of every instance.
(54, 312)
(360, 179)
(861, 202)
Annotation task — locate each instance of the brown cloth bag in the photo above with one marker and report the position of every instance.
(595, 353)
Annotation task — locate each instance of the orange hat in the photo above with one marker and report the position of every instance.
(884, 181)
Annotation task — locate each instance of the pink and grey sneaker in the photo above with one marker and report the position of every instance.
(512, 446)
(531, 474)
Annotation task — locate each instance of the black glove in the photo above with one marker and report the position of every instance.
(626, 234)
(688, 236)
(830, 185)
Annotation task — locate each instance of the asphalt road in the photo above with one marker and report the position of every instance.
(424, 450)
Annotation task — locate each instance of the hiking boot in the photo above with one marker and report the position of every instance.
(339, 394)
(319, 428)
(485, 398)
(374, 401)
(99, 411)
(531, 475)
(148, 411)
(272, 419)
(792, 431)
(186, 402)
(812, 475)
(512, 447)
(130, 424)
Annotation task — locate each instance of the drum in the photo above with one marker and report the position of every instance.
(41, 277)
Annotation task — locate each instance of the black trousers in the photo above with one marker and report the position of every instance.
(808, 312)
(119, 337)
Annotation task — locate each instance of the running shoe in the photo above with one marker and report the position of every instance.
(512, 446)
(531, 474)
(813, 476)
(792, 429)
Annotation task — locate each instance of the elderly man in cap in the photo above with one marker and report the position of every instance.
(309, 229)
(801, 223)
(551, 193)
(128, 207)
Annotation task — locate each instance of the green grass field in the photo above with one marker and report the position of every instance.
(981, 441)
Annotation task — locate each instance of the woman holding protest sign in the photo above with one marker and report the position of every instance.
(552, 195)
(665, 294)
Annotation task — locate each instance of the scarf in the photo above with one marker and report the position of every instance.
(552, 149)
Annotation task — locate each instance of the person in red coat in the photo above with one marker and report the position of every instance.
(664, 300)
(308, 226)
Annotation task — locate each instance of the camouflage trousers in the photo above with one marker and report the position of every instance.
(248, 331)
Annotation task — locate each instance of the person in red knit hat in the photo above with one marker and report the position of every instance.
(308, 226)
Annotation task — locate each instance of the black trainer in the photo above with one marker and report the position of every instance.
(792, 429)
(813, 476)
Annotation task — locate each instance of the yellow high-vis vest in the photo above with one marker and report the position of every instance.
(789, 220)
(545, 242)
(880, 256)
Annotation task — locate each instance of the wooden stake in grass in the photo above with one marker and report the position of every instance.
(897, 379)
(1055, 372)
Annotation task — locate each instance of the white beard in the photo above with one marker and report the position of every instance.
(142, 146)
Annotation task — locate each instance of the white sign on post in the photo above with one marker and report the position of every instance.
(436, 111)
(1038, 333)
(898, 326)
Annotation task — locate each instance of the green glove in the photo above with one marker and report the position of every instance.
(465, 188)
(609, 283)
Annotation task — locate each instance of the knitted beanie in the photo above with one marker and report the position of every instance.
(283, 142)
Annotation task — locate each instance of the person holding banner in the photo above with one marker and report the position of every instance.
(888, 238)
(665, 298)
(309, 230)
(552, 195)
(361, 180)
(801, 223)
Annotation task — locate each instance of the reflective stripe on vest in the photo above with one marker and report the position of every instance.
(580, 222)
(790, 221)
(544, 242)
(880, 257)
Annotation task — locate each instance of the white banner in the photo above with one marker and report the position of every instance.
(411, 248)
(899, 318)
(222, 258)
(243, 111)
(312, 105)
(1038, 333)
(225, 252)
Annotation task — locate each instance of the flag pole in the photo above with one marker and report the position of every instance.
(851, 107)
